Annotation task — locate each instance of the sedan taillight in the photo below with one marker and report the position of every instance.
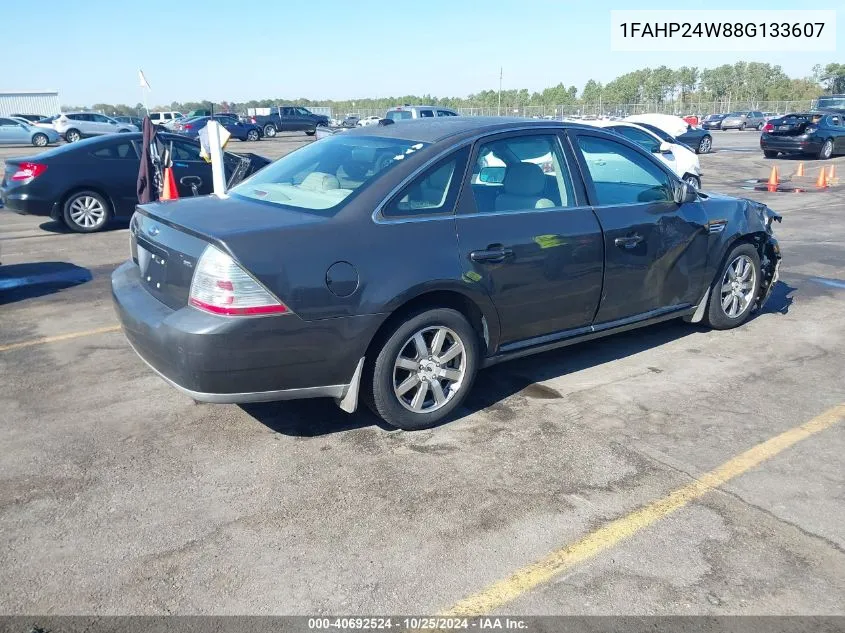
(768, 127)
(222, 287)
(29, 171)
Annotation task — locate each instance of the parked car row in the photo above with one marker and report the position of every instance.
(88, 183)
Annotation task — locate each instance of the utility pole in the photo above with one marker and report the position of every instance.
(499, 109)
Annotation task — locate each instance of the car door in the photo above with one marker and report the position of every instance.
(102, 125)
(649, 143)
(306, 118)
(117, 168)
(13, 132)
(655, 250)
(528, 238)
(189, 168)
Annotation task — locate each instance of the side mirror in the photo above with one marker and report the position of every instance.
(665, 148)
(684, 193)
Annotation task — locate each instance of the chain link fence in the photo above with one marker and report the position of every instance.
(695, 108)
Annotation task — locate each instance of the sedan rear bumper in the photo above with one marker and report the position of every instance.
(236, 360)
(790, 143)
(24, 203)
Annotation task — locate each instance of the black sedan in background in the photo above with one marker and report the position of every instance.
(85, 184)
(696, 139)
(817, 134)
(238, 129)
(395, 261)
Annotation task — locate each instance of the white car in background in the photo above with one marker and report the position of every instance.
(370, 120)
(678, 158)
(76, 125)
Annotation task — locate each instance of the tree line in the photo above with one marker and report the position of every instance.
(742, 81)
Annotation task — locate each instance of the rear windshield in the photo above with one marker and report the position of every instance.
(399, 115)
(325, 174)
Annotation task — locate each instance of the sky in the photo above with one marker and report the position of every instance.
(333, 49)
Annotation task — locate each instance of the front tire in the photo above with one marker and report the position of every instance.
(424, 370)
(269, 130)
(705, 145)
(311, 132)
(735, 289)
(86, 212)
(827, 150)
(72, 135)
(742, 128)
(40, 140)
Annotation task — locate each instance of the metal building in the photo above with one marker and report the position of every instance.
(44, 102)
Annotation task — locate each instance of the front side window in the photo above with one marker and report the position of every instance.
(325, 174)
(185, 151)
(521, 173)
(445, 113)
(621, 175)
(8, 123)
(643, 139)
(432, 192)
(303, 111)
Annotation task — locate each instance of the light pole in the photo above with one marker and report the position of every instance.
(499, 109)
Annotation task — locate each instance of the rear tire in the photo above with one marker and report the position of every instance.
(413, 389)
(72, 135)
(770, 153)
(705, 145)
(269, 130)
(40, 140)
(86, 212)
(734, 291)
(252, 135)
(827, 150)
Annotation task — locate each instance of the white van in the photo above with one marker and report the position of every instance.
(163, 118)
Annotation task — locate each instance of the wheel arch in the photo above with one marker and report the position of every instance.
(483, 318)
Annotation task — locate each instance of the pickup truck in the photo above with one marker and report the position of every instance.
(290, 119)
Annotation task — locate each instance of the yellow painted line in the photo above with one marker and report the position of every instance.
(58, 338)
(611, 534)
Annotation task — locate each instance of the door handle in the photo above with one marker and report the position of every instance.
(628, 242)
(493, 254)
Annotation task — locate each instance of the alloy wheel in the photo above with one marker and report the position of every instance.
(87, 212)
(827, 149)
(430, 369)
(738, 284)
(705, 145)
(40, 140)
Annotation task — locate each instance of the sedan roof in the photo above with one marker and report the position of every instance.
(439, 128)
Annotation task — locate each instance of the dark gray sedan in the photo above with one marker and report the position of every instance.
(393, 262)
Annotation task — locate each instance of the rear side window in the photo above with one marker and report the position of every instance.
(432, 192)
(621, 175)
(426, 113)
(445, 113)
(118, 151)
(399, 115)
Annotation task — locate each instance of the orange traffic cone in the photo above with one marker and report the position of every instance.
(773, 178)
(800, 171)
(832, 174)
(170, 192)
(822, 180)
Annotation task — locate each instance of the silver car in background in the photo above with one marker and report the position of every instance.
(747, 119)
(76, 125)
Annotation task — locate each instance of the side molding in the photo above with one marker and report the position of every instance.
(349, 402)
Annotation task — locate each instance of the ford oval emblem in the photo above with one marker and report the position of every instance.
(153, 230)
